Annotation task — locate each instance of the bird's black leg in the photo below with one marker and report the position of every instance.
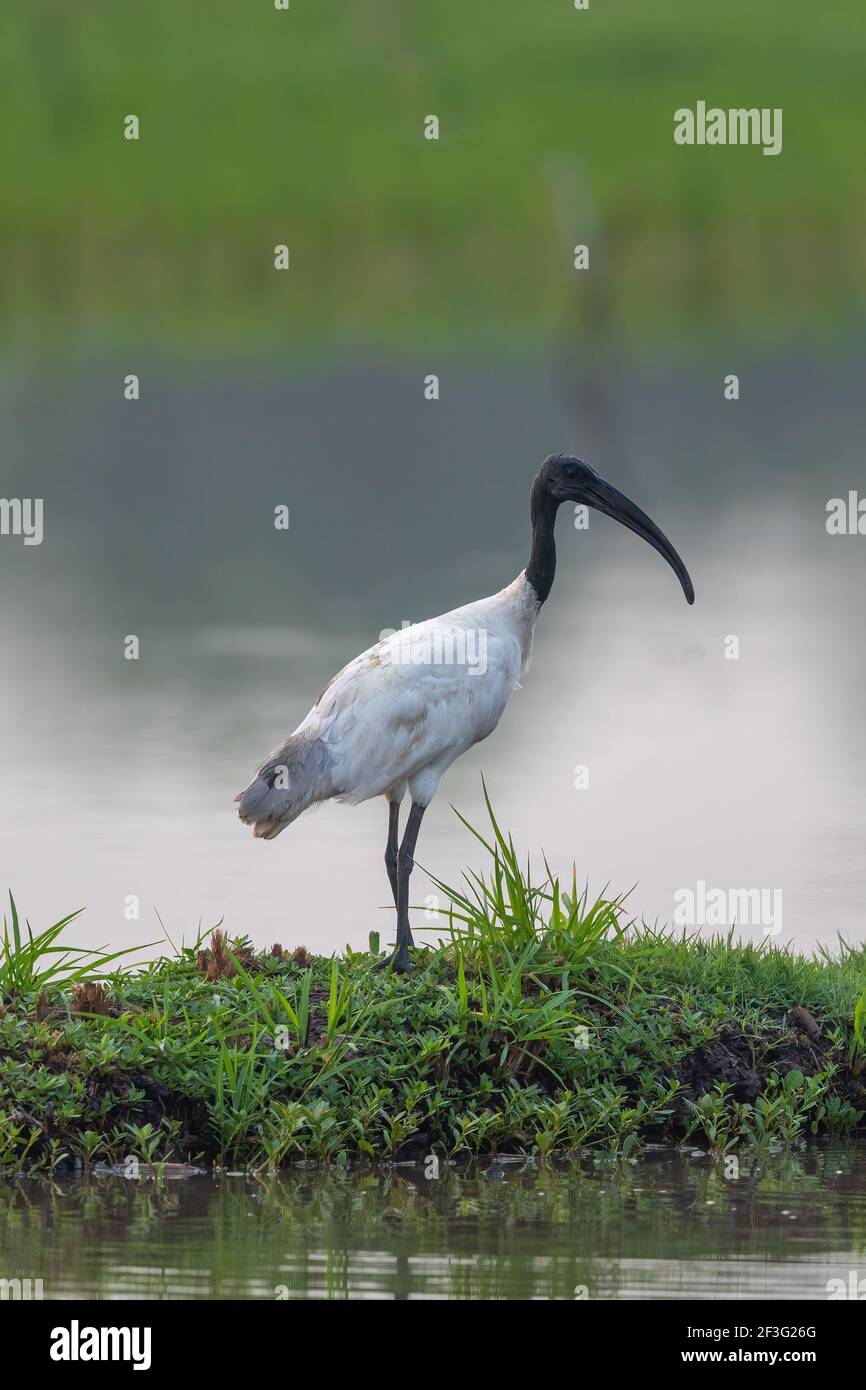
(405, 865)
(392, 845)
(400, 961)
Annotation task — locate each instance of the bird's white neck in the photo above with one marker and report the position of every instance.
(520, 609)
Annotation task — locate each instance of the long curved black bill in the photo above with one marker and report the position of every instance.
(606, 499)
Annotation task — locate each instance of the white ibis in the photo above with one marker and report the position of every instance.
(398, 716)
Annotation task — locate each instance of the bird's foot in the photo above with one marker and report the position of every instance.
(398, 962)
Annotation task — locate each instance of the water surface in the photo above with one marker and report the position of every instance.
(666, 1226)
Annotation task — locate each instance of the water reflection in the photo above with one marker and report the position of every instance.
(666, 1226)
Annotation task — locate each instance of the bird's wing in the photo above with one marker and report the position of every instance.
(396, 709)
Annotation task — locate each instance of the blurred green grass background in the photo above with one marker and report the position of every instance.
(305, 127)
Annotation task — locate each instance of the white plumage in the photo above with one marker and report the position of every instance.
(399, 714)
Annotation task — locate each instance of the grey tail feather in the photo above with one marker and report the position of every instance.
(293, 778)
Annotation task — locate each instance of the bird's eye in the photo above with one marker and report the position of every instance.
(570, 470)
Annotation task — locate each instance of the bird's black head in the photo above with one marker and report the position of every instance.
(564, 478)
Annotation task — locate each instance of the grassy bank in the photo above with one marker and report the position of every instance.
(306, 127)
(538, 1022)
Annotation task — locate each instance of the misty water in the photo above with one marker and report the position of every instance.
(118, 776)
(666, 1226)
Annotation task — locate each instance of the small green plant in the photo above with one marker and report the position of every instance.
(714, 1118)
(146, 1140)
(858, 1046)
(31, 963)
(89, 1145)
